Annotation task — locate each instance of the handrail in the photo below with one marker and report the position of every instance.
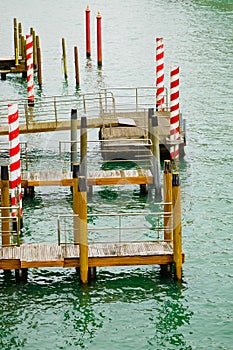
(48, 108)
(157, 227)
(71, 228)
(13, 225)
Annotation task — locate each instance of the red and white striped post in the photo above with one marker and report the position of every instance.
(15, 169)
(174, 113)
(30, 71)
(159, 74)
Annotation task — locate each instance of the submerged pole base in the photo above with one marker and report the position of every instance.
(21, 275)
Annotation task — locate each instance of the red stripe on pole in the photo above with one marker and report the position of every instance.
(159, 74)
(174, 113)
(15, 171)
(14, 151)
(13, 134)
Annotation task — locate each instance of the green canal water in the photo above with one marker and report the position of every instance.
(133, 307)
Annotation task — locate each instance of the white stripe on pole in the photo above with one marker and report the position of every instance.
(30, 67)
(174, 113)
(15, 169)
(159, 74)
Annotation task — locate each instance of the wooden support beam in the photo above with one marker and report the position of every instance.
(167, 198)
(156, 156)
(82, 200)
(177, 225)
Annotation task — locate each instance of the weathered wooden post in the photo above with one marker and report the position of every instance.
(33, 34)
(64, 58)
(16, 43)
(39, 66)
(5, 203)
(76, 66)
(83, 146)
(73, 138)
(156, 155)
(76, 204)
(88, 32)
(177, 225)
(167, 198)
(150, 113)
(99, 40)
(20, 35)
(83, 246)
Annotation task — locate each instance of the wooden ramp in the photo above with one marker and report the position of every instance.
(49, 126)
(99, 254)
(95, 178)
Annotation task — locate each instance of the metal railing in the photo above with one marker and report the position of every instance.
(67, 229)
(10, 226)
(4, 154)
(105, 101)
(116, 228)
(119, 228)
(57, 108)
(136, 151)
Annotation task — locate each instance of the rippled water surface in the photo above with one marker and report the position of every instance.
(134, 307)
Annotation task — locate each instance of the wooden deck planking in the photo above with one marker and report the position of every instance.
(48, 126)
(100, 254)
(95, 178)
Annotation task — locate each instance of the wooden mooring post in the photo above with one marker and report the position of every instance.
(16, 42)
(167, 198)
(88, 32)
(64, 58)
(177, 225)
(83, 146)
(156, 156)
(83, 246)
(73, 138)
(5, 203)
(39, 64)
(77, 79)
(99, 40)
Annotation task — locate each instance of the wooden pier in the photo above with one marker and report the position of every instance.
(165, 248)
(166, 252)
(99, 254)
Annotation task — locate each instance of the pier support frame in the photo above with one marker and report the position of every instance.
(21, 275)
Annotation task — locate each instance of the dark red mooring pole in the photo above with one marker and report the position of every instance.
(88, 32)
(99, 40)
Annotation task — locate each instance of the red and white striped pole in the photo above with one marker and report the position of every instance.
(159, 74)
(30, 72)
(174, 112)
(15, 169)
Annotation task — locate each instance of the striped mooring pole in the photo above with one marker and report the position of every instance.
(174, 113)
(159, 74)
(30, 67)
(15, 169)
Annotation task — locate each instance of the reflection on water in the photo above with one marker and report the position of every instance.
(81, 314)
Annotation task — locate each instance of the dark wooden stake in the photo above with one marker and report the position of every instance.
(76, 66)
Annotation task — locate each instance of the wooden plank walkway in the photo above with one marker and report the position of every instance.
(48, 126)
(100, 254)
(95, 178)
